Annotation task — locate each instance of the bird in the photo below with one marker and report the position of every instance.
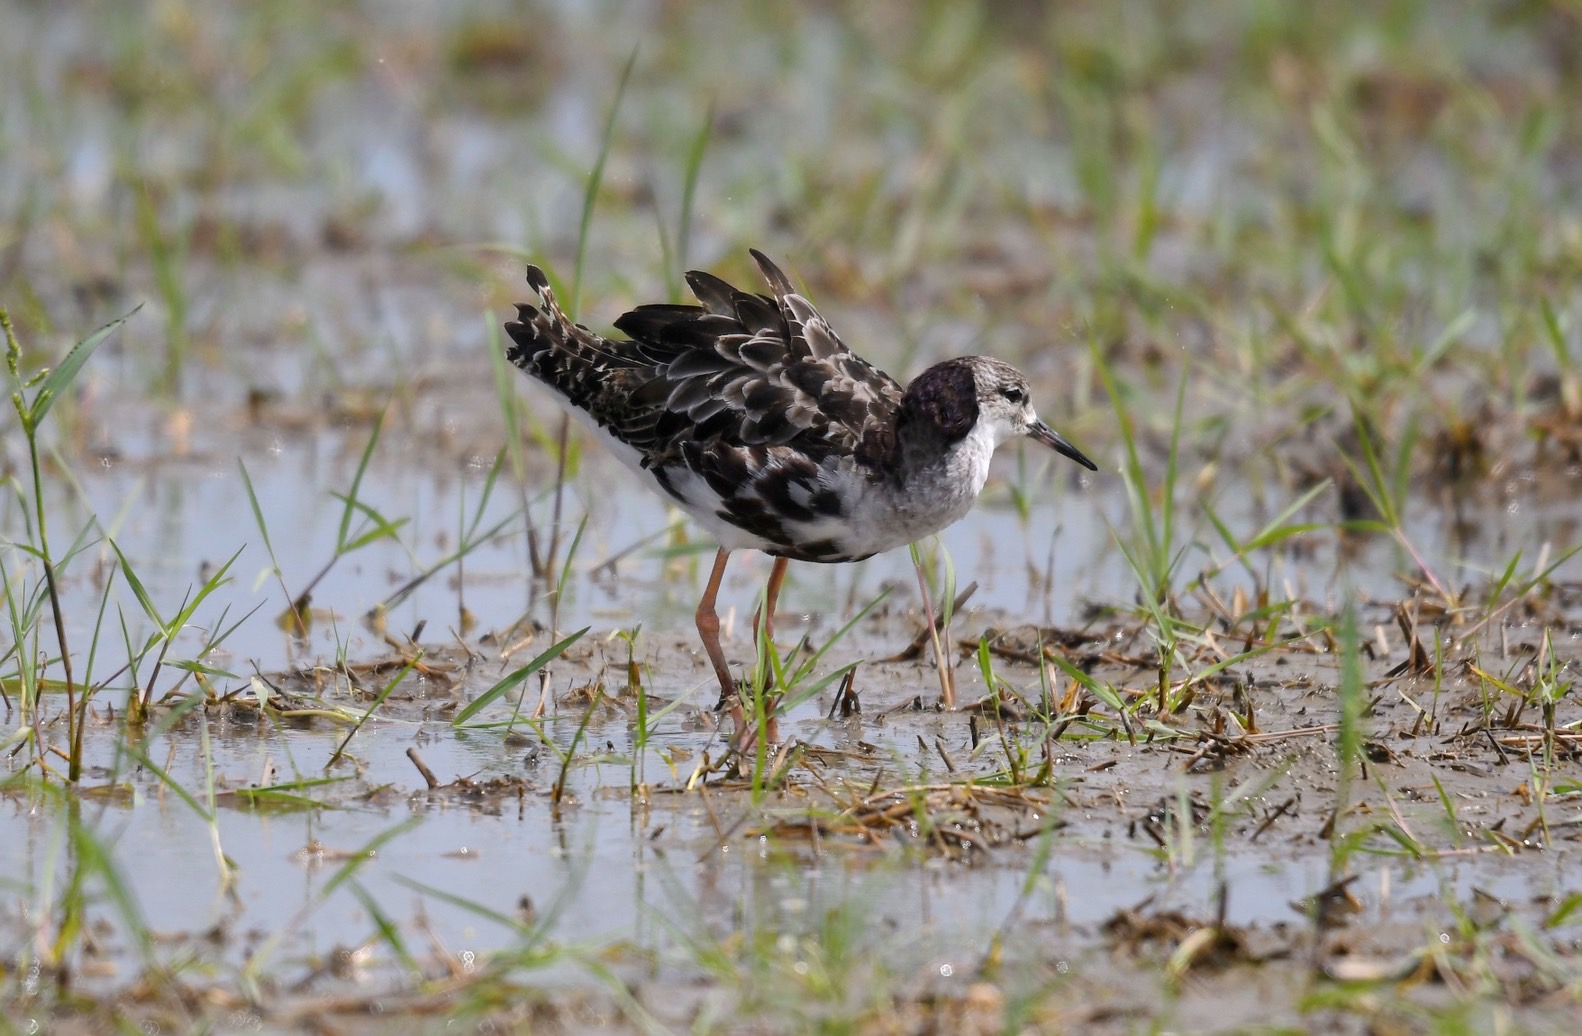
(751, 414)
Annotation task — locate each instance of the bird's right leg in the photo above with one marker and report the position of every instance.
(766, 612)
(708, 621)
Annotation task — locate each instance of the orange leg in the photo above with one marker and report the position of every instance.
(709, 629)
(777, 577)
(708, 622)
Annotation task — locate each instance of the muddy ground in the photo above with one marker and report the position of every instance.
(1040, 856)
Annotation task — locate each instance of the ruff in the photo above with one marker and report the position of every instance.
(756, 419)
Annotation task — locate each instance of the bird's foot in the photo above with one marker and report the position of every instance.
(744, 722)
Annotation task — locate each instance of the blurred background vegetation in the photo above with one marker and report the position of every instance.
(293, 184)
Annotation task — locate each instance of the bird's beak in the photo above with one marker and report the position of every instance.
(1040, 432)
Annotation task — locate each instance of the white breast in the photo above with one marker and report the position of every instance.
(930, 498)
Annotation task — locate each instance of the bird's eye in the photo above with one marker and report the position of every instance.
(1014, 394)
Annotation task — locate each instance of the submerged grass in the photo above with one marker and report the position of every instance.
(46, 388)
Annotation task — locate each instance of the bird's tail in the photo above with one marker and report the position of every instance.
(541, 329)
(548, 345)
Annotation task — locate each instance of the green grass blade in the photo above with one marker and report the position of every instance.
(590, 195)
(350, 497)
(1103, 692)
(689, 190)
(60, 378)
(258, 515)
(379, 700)
(488, 697)
(138, 590)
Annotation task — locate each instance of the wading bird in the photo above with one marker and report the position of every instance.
(755, 418)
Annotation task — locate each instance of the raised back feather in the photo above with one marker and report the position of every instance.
(742, 368)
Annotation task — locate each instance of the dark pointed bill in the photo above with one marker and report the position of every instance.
(1041, 432)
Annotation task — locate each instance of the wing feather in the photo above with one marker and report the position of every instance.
(742, 370)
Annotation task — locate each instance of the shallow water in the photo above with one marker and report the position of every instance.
(651, 874)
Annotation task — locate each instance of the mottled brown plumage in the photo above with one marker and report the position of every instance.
(749, 368)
